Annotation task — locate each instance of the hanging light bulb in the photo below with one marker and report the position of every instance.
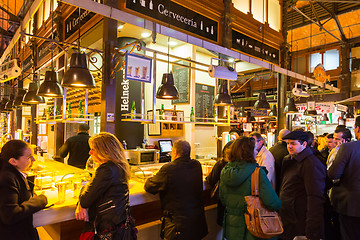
(222, 98)
(273, 112)
(290, 106)
(50, 86)
(31, 97)
(262, 103)
(167, 89)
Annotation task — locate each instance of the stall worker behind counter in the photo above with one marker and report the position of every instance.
(78, 147)
(18, 202)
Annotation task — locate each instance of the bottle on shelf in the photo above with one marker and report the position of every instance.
(174, 118)
(124, 144)
(205, 115)
(192, 115)
(44, 115)
(133, 110)
(69, 110)
(81, 111)
(57, 112)
(162, 112)
(48, 113)
(215, 114)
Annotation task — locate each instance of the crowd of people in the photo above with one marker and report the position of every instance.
(314, 190)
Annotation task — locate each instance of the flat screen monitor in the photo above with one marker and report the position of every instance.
(165, 146)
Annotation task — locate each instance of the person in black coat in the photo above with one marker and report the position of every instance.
(180, 186)
(213, 180)
(77, 147)
(18, 202)
(279, 151)
(330, 145)
(302, 190)
(345, 193)
(106, 196)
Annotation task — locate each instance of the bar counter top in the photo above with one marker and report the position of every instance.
(140, 201)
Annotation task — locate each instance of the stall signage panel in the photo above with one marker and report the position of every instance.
(204, 100)
(73, 21)
(255, 48)
(325, 107)
(258, 113)
(27, 64)
(176, 15)
(341, 108)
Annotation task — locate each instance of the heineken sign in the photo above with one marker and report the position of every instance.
(254, 48)
(176, 15)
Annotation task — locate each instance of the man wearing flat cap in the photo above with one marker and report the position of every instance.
(302, 190)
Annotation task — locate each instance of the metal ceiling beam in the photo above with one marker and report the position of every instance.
(316, 15)
(336, 19)
(299, 11)
(3, 32)
(12, 16)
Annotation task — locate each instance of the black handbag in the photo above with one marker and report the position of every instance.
(125, 231)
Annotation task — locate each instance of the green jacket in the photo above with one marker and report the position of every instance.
(235, 184)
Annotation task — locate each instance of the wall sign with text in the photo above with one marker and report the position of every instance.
(138, 68)
(73, 21)
(176, 15)
(254, 47)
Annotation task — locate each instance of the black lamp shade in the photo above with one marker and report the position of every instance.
(223, 98)
(324, 117)
(167, 89)
(273, 112)
(242, 113)
(296, 118)
(9, 106)
(50, 87)
(311, 112)
(31, 97)
(262, 103)
(349, 114)
(290, 106)
(18, 100)
(78, 75)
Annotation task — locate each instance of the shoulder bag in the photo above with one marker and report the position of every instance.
(260, 221)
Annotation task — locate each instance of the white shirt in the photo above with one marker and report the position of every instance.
(265, 159)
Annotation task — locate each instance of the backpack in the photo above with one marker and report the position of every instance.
(260, 222)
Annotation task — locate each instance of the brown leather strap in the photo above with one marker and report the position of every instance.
(255, 182)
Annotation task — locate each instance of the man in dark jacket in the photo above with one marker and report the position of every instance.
(180, 186)
(279, 151)
(78, 147)
(345, 193)
(330, 145)
(302, 190)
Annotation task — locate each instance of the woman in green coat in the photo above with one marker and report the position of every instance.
(235, 184)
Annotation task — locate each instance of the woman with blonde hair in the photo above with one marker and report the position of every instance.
(104, 201)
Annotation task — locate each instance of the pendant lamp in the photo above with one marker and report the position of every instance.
(296, 118)
(9, 106)
(310, 112)
(167, 89)
(349, 114)
(18, 100)
(2, 104)
(324, 118)
(273, 112)
(50, 87)
(242, 113)
(290, 106)
(30, 97)
(262, 103)
(78, 75)
(222, 98)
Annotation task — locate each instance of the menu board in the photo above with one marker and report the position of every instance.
(204, 100)
(181, 81)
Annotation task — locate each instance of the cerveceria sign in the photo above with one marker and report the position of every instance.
(176, 15)
(253, 47)
(73, 21)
